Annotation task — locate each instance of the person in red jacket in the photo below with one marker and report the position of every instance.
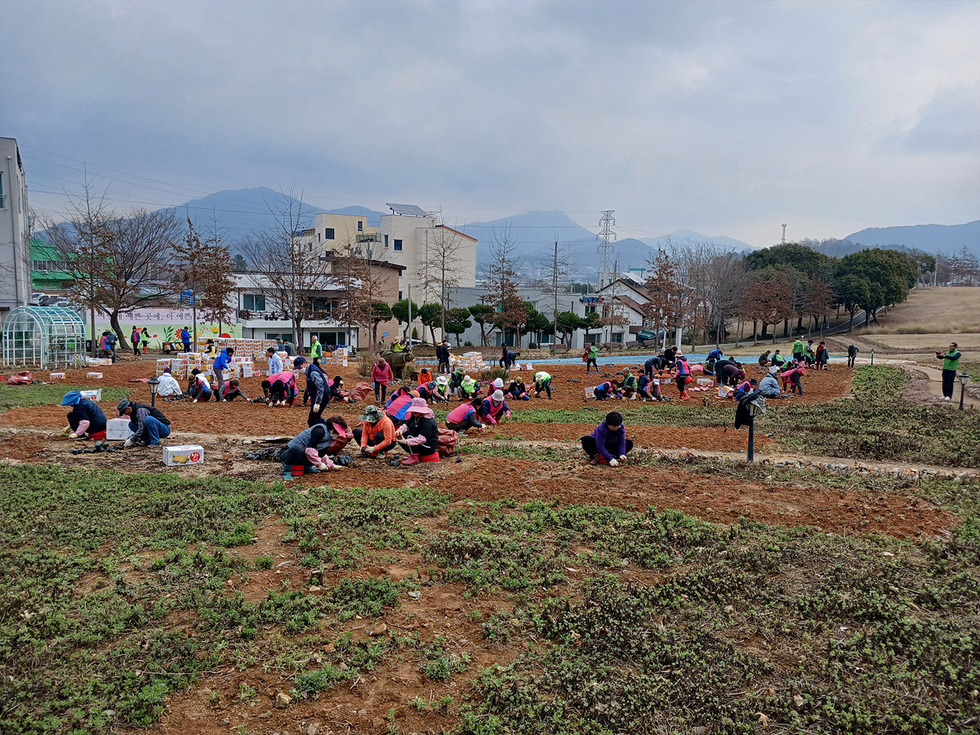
(382, 376)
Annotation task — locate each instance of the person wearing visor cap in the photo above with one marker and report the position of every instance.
(85, 420)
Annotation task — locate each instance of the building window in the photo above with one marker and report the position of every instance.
(398, 244)
(386, 241)
(399, 295)
(328, 233)
(360, 225)
(253, 302)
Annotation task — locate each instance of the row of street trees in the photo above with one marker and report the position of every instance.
(704, 289)
(123, 262)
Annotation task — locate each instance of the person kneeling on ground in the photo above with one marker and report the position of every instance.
(167, 386)
(280, 388)
(647, 390)
(198, 388)
(606, 390)
(465, 416)
(494, 409)
(420, 434)
(630, 386)
(147, 423)
(469, 389)
(376, 434)
(85, 420)
(608, 443)
(517, 390)
(233, 390)
(307, 453)
(769, 387)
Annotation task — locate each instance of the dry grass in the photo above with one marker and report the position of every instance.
(933, 311)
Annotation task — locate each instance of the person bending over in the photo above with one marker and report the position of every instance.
(85, 420)
(465, 416)
(307, 452)
(420, 434)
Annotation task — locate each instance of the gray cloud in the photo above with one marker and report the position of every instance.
(723, 117)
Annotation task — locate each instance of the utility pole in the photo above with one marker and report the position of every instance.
(554, 288)
(784, 234)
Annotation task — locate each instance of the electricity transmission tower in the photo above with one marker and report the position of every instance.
(607, 236)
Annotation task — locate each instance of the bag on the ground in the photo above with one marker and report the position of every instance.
(447, 442)
(22, 378)
(361, 390)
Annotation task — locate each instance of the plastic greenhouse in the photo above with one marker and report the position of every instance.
(43, 337)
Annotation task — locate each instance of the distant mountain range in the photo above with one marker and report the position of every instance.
(933, 239)
(239, 213)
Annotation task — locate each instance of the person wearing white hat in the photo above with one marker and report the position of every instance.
(495, 409)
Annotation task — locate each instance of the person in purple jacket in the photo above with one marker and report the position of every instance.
(608, 443)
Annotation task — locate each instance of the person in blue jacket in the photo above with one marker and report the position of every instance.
(608, 443)
(221, 363)
(85, 420)
(185, 338)
(318, 387)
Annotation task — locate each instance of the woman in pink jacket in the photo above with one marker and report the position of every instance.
(792, 377)
(381, 375)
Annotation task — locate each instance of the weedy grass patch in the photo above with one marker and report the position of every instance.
(878, 425)
(13, 396)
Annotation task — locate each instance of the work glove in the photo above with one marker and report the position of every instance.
(67, 430)
(622, 458)
(316, 408)
(128, 443)
(195, 400)
(613, 463)
(76, 436)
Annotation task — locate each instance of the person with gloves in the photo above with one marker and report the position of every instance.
(468, 389)
(340, 434)
(147, 423)
(420, 434)
(608, 443)
(232, 391)
(280, 388)
(438, 389)
(465, 416)
(456, 379)
(85, 420)
(647, 389)
(425, 376)
(607, 389)
(494, 409)
(517, 390)
(542, 382)
(629, 385)
(376, 434)
(198, 387)
(731, 374)
(307, 452)
(382, 375)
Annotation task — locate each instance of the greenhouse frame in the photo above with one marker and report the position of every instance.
(43, 337)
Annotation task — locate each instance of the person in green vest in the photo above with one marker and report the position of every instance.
(951, 366)
(798, 351)
(629, 387)
(399, 346)
(590, 358)
(316, 351)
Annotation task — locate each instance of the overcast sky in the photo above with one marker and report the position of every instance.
(728, 118)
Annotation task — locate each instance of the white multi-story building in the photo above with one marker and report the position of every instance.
(15, 266)
(412, 238)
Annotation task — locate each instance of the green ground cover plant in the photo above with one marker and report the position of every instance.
(623, 620)
(12, 396)
(879, 425)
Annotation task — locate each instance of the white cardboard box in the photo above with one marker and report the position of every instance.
(186, 454)
(117, 429)
(92, 395)
(56, 376)
(93, 376)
